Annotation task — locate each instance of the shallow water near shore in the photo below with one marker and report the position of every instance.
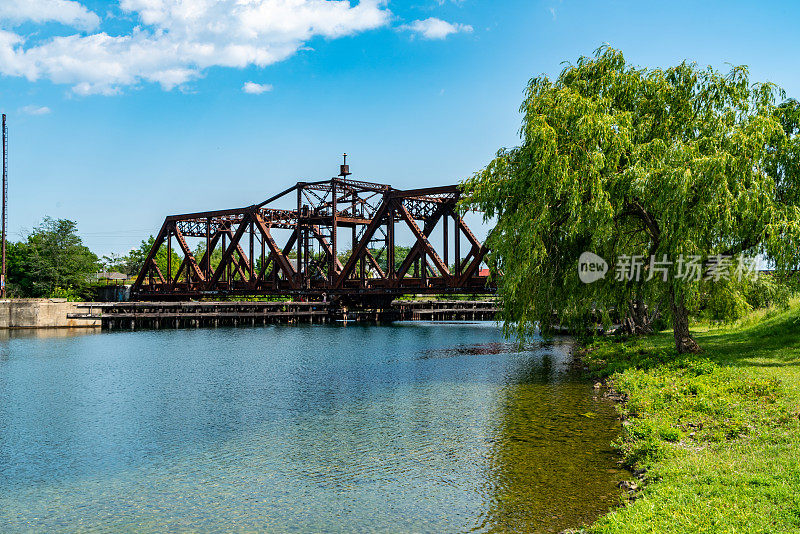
(415, 427)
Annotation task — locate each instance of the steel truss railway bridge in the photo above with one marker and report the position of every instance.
(337, 242)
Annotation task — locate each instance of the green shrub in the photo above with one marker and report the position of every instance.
(767, 291)
(726, 301)
(65, 293)
(726, 304)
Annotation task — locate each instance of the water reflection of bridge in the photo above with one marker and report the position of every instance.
(338, 241)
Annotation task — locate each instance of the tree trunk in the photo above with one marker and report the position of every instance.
(680, 325)
(639, 318)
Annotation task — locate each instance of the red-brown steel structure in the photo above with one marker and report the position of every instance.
(308, 263)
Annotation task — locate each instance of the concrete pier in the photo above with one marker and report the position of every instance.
(42, 313)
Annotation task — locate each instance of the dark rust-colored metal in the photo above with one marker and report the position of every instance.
(310, 264)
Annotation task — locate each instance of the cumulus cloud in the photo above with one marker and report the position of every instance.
(178, 40)
(253, 88)
(433, 28)
(35, 110)
(66, 12)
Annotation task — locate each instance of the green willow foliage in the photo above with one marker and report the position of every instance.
(617, 159)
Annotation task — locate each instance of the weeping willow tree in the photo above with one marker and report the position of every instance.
(630, 162)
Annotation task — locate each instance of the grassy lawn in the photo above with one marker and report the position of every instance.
(717, 435)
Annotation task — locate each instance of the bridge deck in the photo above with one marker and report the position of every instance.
(137, 315)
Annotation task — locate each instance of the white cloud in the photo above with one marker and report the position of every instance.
(433, 28)
(253, 88)
(64, 11)
(179, 39)
(35, 110)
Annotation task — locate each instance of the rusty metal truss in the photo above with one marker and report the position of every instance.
(299, 252)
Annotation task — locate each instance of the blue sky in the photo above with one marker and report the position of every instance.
(122, 112)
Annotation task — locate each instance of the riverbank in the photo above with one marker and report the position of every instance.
(713, 438)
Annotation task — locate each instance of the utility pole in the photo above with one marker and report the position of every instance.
(5, 207)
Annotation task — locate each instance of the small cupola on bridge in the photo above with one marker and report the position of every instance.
(344, 168)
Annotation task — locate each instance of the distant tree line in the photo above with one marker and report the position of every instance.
(52, 262)
(132, 262)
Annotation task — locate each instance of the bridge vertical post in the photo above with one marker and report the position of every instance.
(298, 237)
(224, 259)
(208, 248)
(446, 246)
(334, 241)
(303, 268)
(423, 266)
(307, 253)
(252, 258)
(263, 254)
(363, 272)
(169, 255)
(353, 241)
(390, 242)
(457, 244)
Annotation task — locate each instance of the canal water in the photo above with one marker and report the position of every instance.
(415, 427)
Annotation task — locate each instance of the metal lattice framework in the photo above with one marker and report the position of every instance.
(309, 263)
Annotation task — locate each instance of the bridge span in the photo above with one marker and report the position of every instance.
(336, 241)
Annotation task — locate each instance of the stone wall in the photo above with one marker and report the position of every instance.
(41, 313)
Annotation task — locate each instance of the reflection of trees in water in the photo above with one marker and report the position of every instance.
(551, 466)
(484, 349)
(44, 333)
(481, 349)
(9, 334)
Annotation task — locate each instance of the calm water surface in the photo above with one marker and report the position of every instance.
(415, 427)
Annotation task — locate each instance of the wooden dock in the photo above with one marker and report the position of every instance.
(157, 315)
(445, 310)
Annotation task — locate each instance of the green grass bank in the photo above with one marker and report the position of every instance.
(714, 438)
